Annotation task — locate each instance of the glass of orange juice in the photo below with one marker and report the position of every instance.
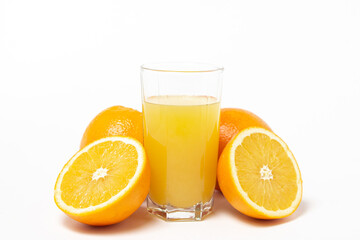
(181, 107)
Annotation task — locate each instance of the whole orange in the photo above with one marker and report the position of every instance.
(114, 121)
(234, 120)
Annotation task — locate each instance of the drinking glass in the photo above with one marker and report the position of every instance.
(181, 108)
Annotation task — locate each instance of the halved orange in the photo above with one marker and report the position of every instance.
(259, 175)
(105, 182)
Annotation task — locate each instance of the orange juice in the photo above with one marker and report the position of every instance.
(181, 138)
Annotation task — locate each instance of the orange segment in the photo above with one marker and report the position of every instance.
(104, 182)
(259, 175)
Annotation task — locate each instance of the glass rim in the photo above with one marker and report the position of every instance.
(181, 67)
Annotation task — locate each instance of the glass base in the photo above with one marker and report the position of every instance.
(171, 213)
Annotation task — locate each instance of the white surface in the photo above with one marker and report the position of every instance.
(294, 63)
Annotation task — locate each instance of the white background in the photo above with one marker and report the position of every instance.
(294, 63)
